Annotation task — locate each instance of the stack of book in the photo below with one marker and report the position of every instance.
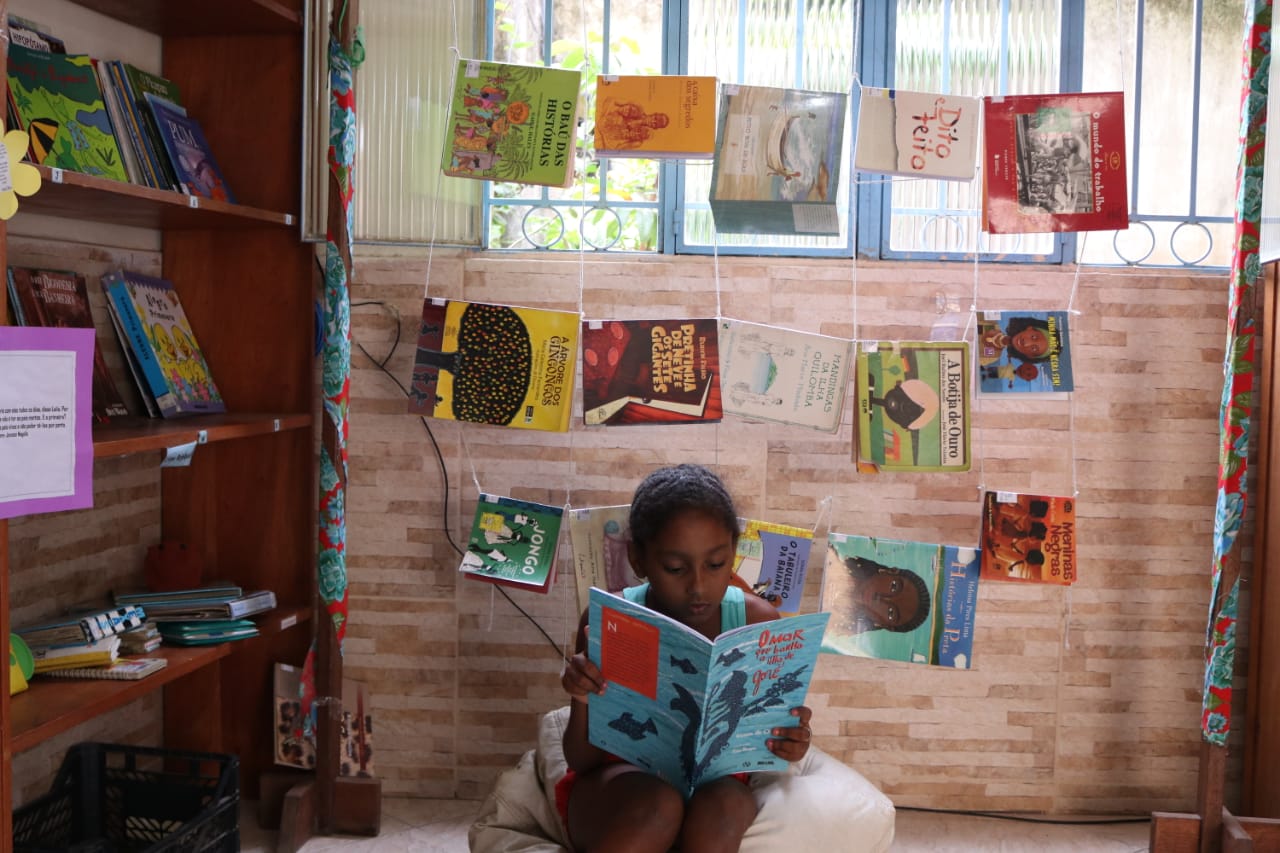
(215, 613)
(85, 645)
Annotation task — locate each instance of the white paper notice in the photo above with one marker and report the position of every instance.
(180, 456)
(37, 443)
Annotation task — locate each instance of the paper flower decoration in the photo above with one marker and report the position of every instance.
(16, 178)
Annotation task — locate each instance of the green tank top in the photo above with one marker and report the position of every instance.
(733, 609)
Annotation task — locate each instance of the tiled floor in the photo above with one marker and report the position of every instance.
(440, 826)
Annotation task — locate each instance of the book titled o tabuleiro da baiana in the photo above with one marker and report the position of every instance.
(772, 560)
(1024, 352)
(782, 375)
(688, 709)
(1054, 163)
(658, 116)
(1028, 538)
(513, 543)
(912, 411)
(512, 123)
(897, 600)
(917, 134)
(650, 371)
(495, 364)
(777, 161)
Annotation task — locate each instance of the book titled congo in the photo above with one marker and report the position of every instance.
(898, 600)
(1028, 538)
(690, 710)
(513, 543)
(495, 364)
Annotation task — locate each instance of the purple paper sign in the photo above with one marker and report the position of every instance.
(46, 419)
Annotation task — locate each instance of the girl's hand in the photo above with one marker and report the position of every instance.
(792, 744)
(581, 677)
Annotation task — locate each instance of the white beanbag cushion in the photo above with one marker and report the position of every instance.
(816, 804)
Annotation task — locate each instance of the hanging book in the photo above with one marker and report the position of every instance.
(916, 134)
(189, 152)
(1054, 163)
(61, 298)
(783, 375)
(777, 160)
(1024, 352)
(650, 371)
(495, 364)
(898, 600)
(1028, 538)
(660, 116)
(598, 536)
(513, 543)
(513, 123)
(913, 406)
(772, 559)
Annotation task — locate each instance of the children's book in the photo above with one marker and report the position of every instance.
(917, 134)
(122, 669)
(98, 653)
(34, 36)
(659, 116)
(772, 560)
(898, 600)
(160, 336)
(777, 160)
(688, 709)
(1054, 163)
(1028, 538)
(495, 364)
(516, 123)
(513, 543)
(189, 152)
(82, 629)
(599, 537)
(782, 375)
(132, 86)
(59, 106)
(650, 371)
(61, 298)
(913, 406)
(207, 633)
(1023, 352)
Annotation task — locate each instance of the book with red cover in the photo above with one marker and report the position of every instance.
(1054, 163)
(1028, 538)
(650, 371)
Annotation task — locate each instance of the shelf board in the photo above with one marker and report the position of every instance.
(226, 17)
(136, 435)
(78, 196)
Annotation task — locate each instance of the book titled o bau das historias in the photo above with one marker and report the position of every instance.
(896, 600)
(913, 406)
(1054, 163)
(659, 116)
(1024, 352)
(650, 371)
(495, 364)
(917, 134)
(688, 709)
(1028, 538)
(516, 123)
(513, 543)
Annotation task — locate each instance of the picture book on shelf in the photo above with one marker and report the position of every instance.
(189, 152)
(495, 364)
(650, 371)
(61, 298)
(160, 337)
(1028, 538)
(688, 709)
(122, 669)
(59, 106)
(897, 600)
(511, 122)
(655, 115)
(34, 35)
(132, 85)
(598, 536)
(783, 375)
(913, 405)
(772, 559)
(1024, 352)
(1054, 163)
(917, 134)
(513, 543)
(777, 160)
(82, 629)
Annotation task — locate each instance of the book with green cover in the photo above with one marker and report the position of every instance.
(513, 543)
(514, 123)
(59, 105)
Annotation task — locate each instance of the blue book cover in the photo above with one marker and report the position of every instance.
(896, 600)
(689, 710)
(1023, 352)
(189, 151)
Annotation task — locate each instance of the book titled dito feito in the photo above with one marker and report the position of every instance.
(917, 134)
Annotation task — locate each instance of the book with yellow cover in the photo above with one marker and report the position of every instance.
(659, 116)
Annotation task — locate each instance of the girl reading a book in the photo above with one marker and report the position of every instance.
(684, 534)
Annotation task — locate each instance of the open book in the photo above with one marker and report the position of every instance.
(689, 710)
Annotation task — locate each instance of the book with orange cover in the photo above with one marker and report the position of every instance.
(659, 116)
(1028, 538)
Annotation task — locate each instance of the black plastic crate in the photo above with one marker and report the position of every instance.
(130, 799)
